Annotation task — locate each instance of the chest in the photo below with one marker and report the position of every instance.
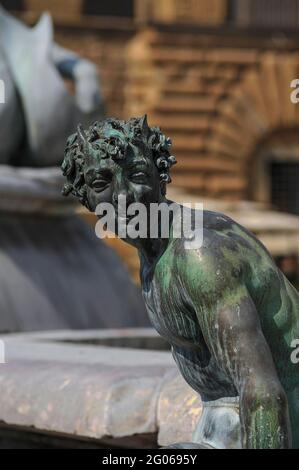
(170, 313)
(174, 317)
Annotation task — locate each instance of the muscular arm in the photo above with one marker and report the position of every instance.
(232, 330)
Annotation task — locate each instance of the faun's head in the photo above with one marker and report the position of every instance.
(117, 158)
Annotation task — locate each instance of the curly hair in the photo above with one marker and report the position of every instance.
(110, 139)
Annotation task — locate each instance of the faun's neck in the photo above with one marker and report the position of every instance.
(150, 249)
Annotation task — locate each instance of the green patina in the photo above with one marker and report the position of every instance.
(226, 309)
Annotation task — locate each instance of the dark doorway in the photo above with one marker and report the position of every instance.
(120, 8)
(285, 186)
(13, 5)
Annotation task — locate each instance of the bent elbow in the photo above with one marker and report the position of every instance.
(267, 398)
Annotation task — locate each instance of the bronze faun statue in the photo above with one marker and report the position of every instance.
(230, 315)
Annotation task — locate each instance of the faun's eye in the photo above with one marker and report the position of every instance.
(100, 185)
(138, 177)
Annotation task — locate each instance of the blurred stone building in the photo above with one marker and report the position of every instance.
(216, 75)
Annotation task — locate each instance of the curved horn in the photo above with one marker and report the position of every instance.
(81, 135)
(86, 147)
(144, 124)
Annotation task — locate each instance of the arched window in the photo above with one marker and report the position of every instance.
(265, 13)
(275, 171)
(284, 176)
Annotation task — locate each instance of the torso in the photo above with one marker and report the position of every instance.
(176, 321)
(174, 317)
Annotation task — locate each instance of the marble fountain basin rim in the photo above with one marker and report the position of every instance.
(33, 190)
(66, 383)
(127, 338)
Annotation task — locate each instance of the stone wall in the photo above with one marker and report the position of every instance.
(216, 97)
(212, 12)
(218, 93)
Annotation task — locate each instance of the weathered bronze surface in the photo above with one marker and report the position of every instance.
(228, 312)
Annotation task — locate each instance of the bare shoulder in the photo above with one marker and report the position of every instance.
(229, 256)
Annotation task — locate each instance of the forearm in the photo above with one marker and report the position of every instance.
(265, 421)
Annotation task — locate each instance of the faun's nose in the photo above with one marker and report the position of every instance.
(114, 199)
(122, 197)
(121, 192)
